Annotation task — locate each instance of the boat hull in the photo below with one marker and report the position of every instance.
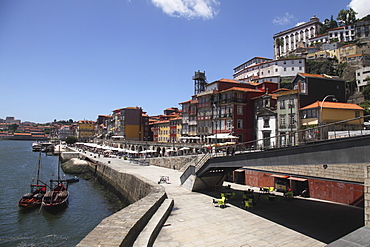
(56, 198)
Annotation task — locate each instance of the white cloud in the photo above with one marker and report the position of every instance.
(188, 9)
(283, 20)
(362, 7)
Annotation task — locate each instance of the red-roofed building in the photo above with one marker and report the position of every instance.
(326, 112)
(225, 109)
(307, 89)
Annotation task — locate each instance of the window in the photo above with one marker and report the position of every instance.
(282, 121)
(266, 122)
(284, 69)
(240, 110)
(239, 96)
(292, 68)
(282, 104)
(239, 124)
(357, 114)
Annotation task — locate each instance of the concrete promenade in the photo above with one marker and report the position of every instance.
(195, 221)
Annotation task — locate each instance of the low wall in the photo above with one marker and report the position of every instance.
(123, 227)
(172, 162)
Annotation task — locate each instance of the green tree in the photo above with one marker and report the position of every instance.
(279, 42)
(13, 128)
(71, 140)
(347, 16)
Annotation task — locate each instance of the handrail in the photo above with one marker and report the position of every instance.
(192, 169)
(300, 137)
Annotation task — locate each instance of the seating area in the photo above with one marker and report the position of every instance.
(247, 199)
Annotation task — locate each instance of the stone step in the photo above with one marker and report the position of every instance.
(152, 229)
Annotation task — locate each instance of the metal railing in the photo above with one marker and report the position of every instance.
(319, 133)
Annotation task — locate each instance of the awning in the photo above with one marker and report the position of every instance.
(279, 176)
(222, 136)
(298, 179)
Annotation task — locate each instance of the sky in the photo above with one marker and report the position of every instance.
(77, 59)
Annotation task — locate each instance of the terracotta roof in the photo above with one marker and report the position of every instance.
(311, 75)
(357, 55)
(242, 89)
(280, 90)
(333, 105)
(347, 46)
(188, 101)
(22, 134)
(324, 34)
(336, 28)
(228, 80)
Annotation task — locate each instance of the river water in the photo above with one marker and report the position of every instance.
(89, 202)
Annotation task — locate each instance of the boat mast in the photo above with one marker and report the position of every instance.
(38, 170)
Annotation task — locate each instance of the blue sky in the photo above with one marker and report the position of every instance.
(77, 59)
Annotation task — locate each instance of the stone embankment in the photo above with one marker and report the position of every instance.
(129, 224)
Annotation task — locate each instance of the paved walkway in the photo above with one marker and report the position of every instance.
(195, 221)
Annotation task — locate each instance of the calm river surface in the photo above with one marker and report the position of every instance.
(89, 202)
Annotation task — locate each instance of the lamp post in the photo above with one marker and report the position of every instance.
(215, 122)
(321, 106)
(291, 121)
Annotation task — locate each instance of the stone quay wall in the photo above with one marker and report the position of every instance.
(123, 227)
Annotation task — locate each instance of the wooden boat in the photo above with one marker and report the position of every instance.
(33, 198)
(57, 197)
(38, 190)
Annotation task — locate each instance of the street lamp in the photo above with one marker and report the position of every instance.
(215, 122)
(291, 121)
(321, 106)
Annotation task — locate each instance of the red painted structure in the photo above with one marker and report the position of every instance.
(319, 188)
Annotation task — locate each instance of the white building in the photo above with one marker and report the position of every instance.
(362, 78)
(295, 37)
(271, 70)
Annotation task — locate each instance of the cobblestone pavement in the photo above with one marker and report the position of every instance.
(196, 221)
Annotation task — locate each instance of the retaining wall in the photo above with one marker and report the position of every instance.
(172, 162)
(123, 227)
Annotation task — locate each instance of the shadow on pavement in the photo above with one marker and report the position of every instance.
(323, 221)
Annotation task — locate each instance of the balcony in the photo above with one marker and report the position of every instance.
(228, 101)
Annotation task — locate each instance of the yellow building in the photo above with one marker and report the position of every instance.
(163, 130)
(331, 112)
(343, 52)
(85, 130)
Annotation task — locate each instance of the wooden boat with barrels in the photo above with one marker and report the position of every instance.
(57, 197)
(38, 190)
(33, 198)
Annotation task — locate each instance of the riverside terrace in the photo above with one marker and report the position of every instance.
(196, 221)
